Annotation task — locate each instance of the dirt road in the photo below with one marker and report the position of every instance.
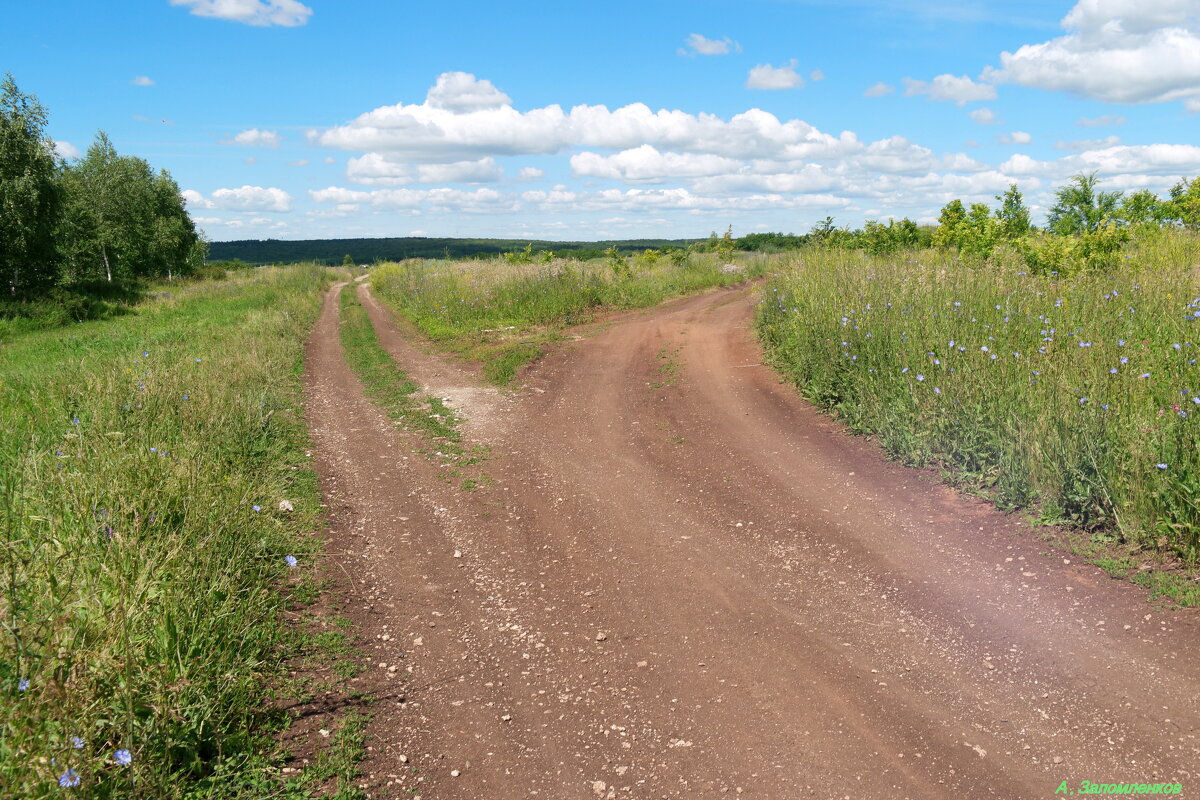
(687, 583)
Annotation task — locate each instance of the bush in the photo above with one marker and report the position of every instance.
(1098, 250)
(210, 272)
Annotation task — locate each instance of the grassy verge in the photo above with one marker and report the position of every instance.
(1079, 397)
(392, 390)
(504, 315)
(143, 463)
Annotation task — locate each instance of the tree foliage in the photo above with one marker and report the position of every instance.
(30, 193)
(107, 218)
(1184, 206)
(1013, 214)
(1080, 208)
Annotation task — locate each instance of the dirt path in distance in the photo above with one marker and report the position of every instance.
(687, 583)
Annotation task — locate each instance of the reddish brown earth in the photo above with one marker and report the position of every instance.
(687, 583)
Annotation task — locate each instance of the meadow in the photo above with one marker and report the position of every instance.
(146, 557)
(503, 314)
(1076, 396)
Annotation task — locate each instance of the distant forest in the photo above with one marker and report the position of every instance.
(367, 251)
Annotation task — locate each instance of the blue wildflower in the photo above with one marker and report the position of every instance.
(77, 742)
(256, 508)
(22, 684)
(1161, 466)
(123, 757)
(68, 779)
(291, 561)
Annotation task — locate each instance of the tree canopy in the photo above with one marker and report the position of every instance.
(105, 218)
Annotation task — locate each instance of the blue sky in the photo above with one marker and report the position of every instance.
(571, 120)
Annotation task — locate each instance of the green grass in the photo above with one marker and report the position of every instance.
(504, 315)
(142, 463)
(669, 367)
(389, 387)
(1079, 397)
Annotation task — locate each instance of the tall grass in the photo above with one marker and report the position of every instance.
(142, 464)
(503, 314)
(1079, 395)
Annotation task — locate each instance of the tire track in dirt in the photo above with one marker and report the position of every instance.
(687, 583)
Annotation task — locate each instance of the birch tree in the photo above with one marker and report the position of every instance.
(29, 194)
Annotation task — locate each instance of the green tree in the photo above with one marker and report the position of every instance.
(1184, 206)
(726, 245)
(124, 222)
(347, 261)
(30, 196)
(979, 233)
(950, 221)
(175, 247)
(1141, 209)
(102, 215)
(1013, 214)
(1080, 208)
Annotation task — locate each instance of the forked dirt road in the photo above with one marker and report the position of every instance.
(687, 583)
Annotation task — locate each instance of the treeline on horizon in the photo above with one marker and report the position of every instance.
(1085, 229)
(256, 252)
(77, 235)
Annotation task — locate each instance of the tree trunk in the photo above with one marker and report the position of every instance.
(107, 268)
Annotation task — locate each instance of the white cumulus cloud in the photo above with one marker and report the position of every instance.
(702, 46)
(765, 76)
(958, 89)
(250, 198)
(1117, 51)
(256, 138)
(462, 92)
(1016, 137)
(378, 169)
(429, 133)
(1078, 145)
(262, 13)
(142, 80)
(984, 116)
(196, 200)
(646, 163)
(878, 90)
(67, 150)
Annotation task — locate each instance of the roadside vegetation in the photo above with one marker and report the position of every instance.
(157, 500)
(80, 240)
(389, 387)
(504, 312)
(1054, 370)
